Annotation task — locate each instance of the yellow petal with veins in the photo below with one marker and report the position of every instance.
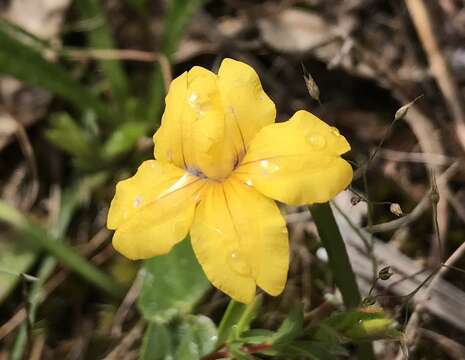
(153, 210)
(193, 132)
(240, 239)
(151, 179)
(247, 107)
(209, 119)
(297, 162)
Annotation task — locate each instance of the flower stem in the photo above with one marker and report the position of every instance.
(339, 263)
(337, 254)
(236, 319)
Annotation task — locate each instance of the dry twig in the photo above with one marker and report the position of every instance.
(424, 24)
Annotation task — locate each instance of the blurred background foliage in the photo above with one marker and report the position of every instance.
(82, 87)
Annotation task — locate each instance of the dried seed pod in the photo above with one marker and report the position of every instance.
(396, 209)
(402, 111)
(354, 200)
(385, 273)
(312, 87)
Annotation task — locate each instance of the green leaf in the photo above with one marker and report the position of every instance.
(157, 343)
(367, 323)
(123, 139)
(238, 354)
(172, 284)
(291, 327)
(257, 336)
(38, 236)
(102, 38)
(197, 337)
(67, 135)
(311, 350)
(178, 15)
(15, 259)
(74, 196)
(28, 65)
(188, 338)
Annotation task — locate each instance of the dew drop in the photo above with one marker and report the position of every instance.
(316, 141)
(138, 200)
(238, 264)
(268, 167)
(192, 99)
(249, 182)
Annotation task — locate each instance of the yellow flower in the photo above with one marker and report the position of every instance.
(221, 161)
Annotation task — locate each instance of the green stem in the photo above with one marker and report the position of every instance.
(236, 319)
(337, 254)
(339, 263)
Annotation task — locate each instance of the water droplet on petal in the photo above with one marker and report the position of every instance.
(238, 263)
(317, 141)
(192, 99)
(138, 200)
(268, 168)
(335, 131)
(248, 182)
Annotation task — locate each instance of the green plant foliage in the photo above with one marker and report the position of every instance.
(172, 284)
(366, 323)
(26, 64)
(157, 343)
(70, 137)
(122, 140)
(197, 337)
(101, 37)
(237, 319)
(257, 336)
(291, 327)
(178, 15)
(313, 350)
(15, 259)
(39, 237)
(188, 338)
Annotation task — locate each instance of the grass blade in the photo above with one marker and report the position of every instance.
(178, 15)
(101, 38)
(58, 249)
(339, 263)
(28, 65)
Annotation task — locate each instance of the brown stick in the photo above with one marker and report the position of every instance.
(124, 54)
(439, 66)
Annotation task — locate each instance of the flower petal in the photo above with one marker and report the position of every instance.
(297, 162)
(193, 133)
(165, 219)
(240, 239)
(246, 105)
(151, 179)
